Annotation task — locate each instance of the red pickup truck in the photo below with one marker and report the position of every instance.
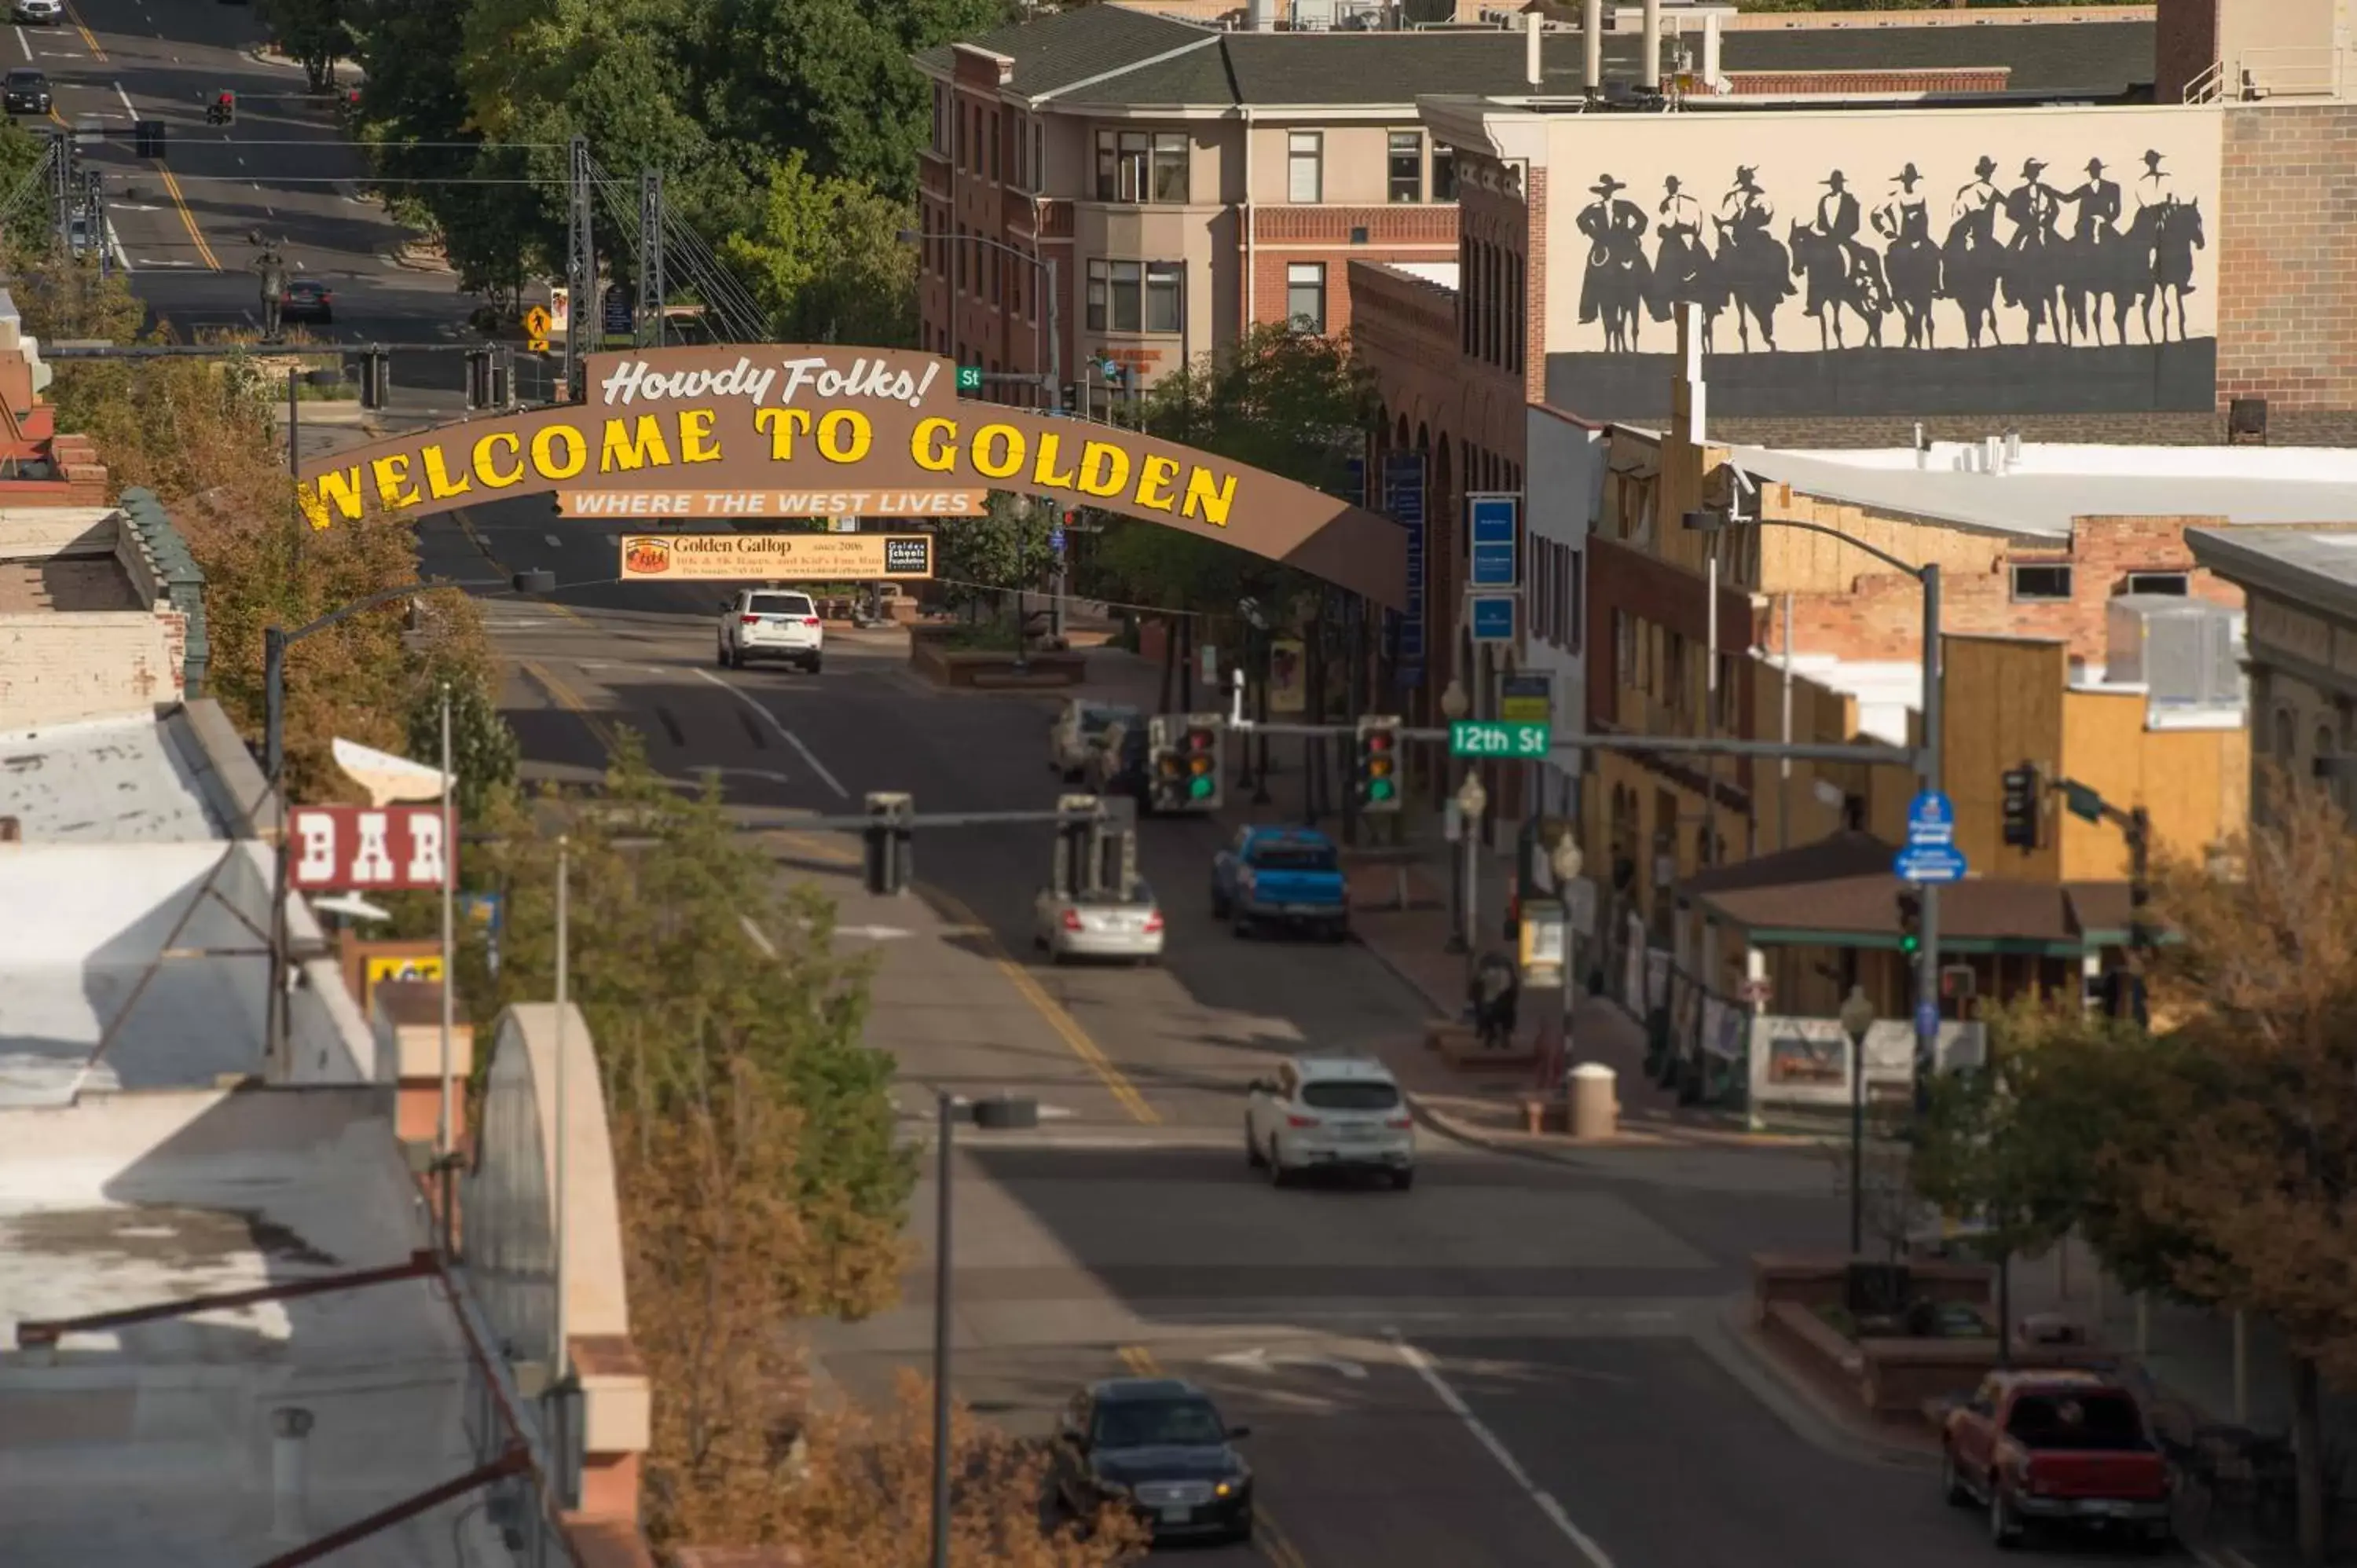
(2055, 1447)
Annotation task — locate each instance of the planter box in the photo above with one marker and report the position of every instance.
(931, 659)
(1813, 1283)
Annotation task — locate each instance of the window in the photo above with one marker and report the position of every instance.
(1624, 645)
(1122, 165)
(1514, 315)
(1020, 127)
(1465, 296)
(2176, 583)
(1304, 295)
(995, 143)
(1038, 155)
(961, 258)
(994, 296)
(1118, 295)
(2282, 734)
(1015, 286)
(778, 605)
(1443, 174)
(941, 117)
(1406, 170)
(1350, 1094)
(1171, 166)
(1164, 295)
(1305, 165)
(1575, 598)
(2036, 584)
(1158, 1423)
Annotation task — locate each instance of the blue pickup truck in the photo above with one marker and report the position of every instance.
(1289, 878)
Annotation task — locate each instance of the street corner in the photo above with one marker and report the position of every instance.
(1813, 1409)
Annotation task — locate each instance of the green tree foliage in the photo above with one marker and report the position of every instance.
(1005, 548)
(317, 32)
(483, 750)
(680, 994)
(825, 259)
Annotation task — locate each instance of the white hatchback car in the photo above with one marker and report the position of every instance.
(1329, 1113)
(771, 623)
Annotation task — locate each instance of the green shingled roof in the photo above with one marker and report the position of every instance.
(1135, 59)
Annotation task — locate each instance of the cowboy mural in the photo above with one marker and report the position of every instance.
(2091, 256)
(2031, 273)
(1841, 274)
(1681, 265)
(1970, 259)
(1752, 266)
(1614, 289)
(1909, 260)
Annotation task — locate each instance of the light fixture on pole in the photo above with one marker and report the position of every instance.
(1857, 1018)
(1471, 802)
(999, 1114)
(1454, 707)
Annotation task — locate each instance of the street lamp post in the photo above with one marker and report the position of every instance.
(1052, 379)
(1930, 765)
(1857, 1018)
(1472, 800)
(1454, 707)
(275, 641)
(999, 1112)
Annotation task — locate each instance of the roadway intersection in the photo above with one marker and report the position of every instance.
(1520, 1362)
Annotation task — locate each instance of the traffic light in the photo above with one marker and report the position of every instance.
(1378, 769)
(1165, 764)
(1077, 822)
(487, 378)
(2021, 807)
(376, 378)
(1200, 752)
(1910, 921)
(890, 853)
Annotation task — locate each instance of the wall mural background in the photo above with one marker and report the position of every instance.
(1955, 262)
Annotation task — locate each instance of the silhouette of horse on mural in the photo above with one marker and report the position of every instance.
(1842, 277)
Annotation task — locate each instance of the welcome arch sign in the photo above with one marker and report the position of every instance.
(803, 430)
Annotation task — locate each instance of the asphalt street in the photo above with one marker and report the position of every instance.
(1520, 1362)
(185, 224)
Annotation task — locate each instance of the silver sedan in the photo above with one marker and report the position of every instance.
(1097, 925)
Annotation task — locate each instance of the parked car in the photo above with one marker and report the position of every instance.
(1329, 1113)
(1079, 725)
(1276, 876)
(1098, 925)
(26, 93)
(771, 623)
(306, 299)
(2062, 1448)
(1159, 1447)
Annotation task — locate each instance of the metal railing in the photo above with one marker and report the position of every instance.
(2290, 71)
(2205, 88)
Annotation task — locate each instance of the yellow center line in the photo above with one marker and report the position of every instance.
(1274, 1543)
(87, 36)
(568, 699)
(180, 204)
(1067, 1029)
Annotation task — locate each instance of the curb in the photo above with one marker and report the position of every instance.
(1735, 1346)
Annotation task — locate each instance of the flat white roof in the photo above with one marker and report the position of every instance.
(2046, 485)
(115, 780)
(1442, 272)
(151, 1444)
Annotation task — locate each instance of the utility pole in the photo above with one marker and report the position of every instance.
(580, 266)
(652, 290)
(61, 182)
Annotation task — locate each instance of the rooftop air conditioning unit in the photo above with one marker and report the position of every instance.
(2186, 653)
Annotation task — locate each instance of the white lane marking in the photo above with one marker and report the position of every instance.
(174, 263)
(793, 740)
(1423, 1366)
(114, 245)
(554, 543)
(134, 108)
(24, 43)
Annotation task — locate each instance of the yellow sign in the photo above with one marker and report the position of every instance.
(777, 557)
(393, 966)
(535, 328)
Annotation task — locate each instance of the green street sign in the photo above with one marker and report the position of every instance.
(1497, 737)
(969, 378)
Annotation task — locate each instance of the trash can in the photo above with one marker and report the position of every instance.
(1595, 1102)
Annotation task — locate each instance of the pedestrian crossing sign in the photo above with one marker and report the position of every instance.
(535, 330)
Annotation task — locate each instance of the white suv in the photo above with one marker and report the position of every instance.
(1329, 1113)
(771, 623)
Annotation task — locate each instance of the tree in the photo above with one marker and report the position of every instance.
(483, 749)
(1004, 549)
(826, 261)
(316, 32)
(679, 989)
(2261, 1172)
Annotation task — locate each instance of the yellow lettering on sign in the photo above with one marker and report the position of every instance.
(497, 478)
(933, 444)
(438, 482)
(393, 486)
(1104, 469)
(627, 448)
(1210, 499)
(695, 443)
(1044, 472)
(336, 494)
(998, 450)
(781, 425)
(1154, 477)
(545, 458)
(844, 435)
